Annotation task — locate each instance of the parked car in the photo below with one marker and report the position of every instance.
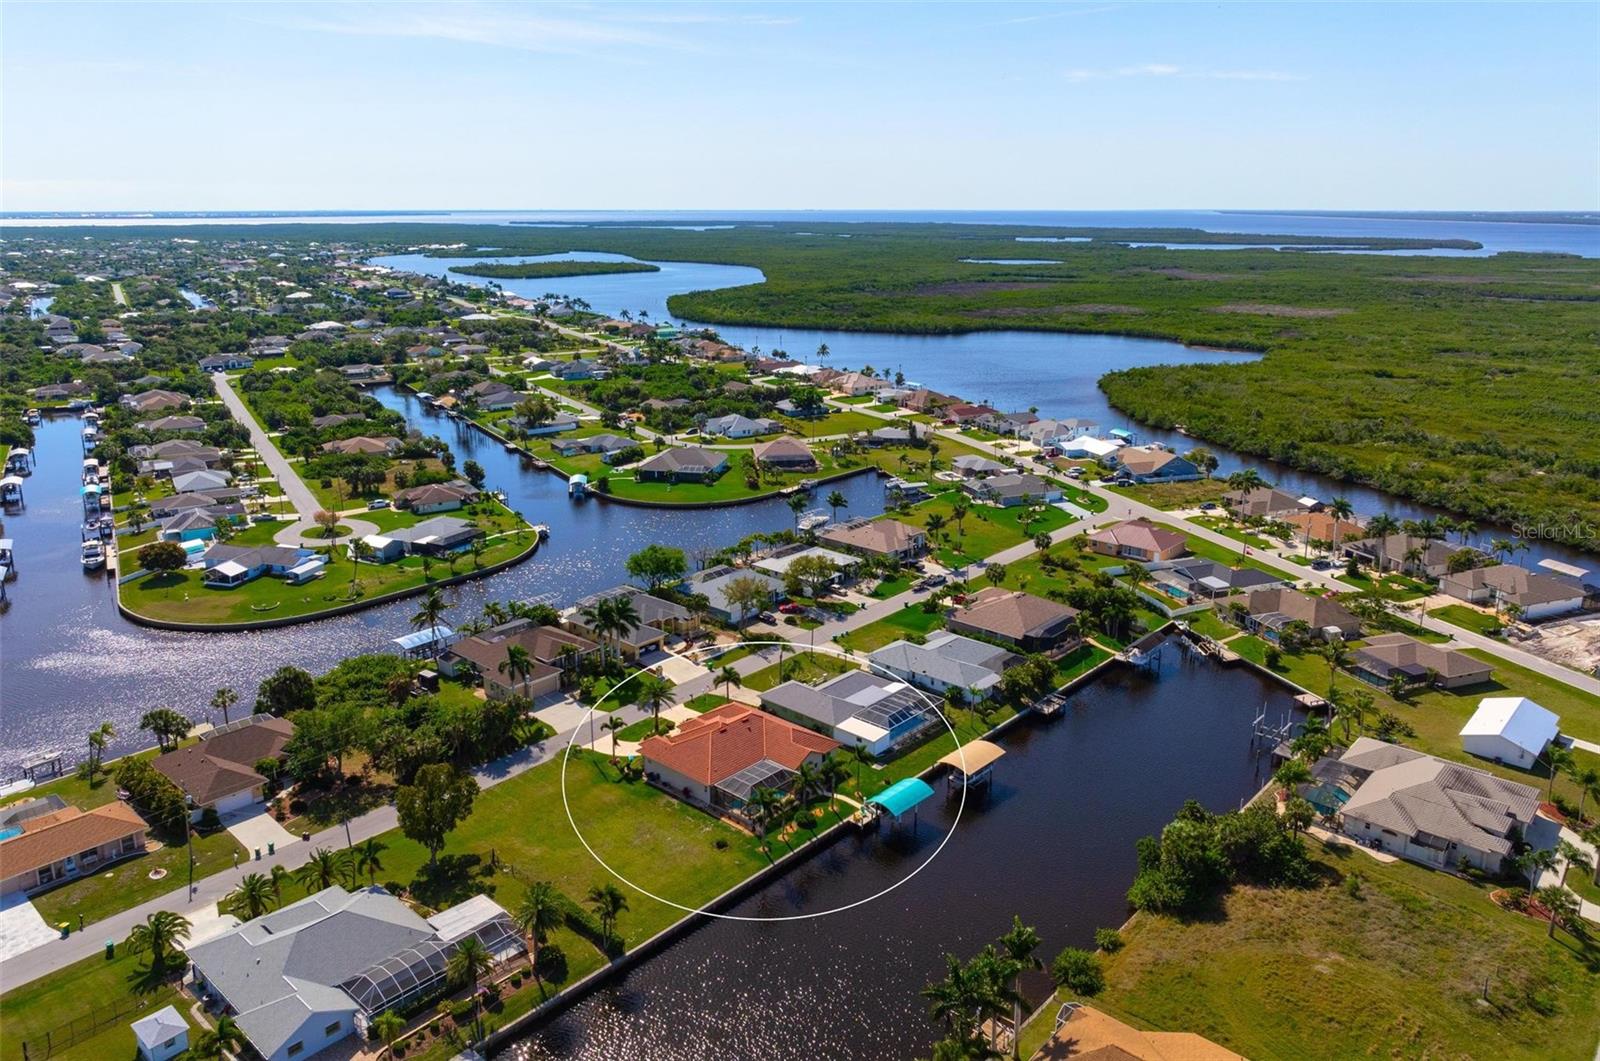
(1207, 506)
(790, 608)
(378, 502)
(767, 617)
(935, 580)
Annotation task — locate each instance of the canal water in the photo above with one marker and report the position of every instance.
(1053, 843)
(69, 660)
(1054, 372)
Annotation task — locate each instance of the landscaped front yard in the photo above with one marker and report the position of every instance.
(1468, 619)
(126, 884)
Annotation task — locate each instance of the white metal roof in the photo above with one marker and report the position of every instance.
(1516, 719)
(154, 1030)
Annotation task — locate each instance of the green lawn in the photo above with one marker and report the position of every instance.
(1579, 711)
(1228, 529)
(837, 422)
(126, 884)
(1467, 618)
(1209, 624)
(643, 728)
(986, 529)
(1389, 587)
(892, 587)
(802, 666)
(1232, 557)
(88, 993)
(1396, 970)
(908, 620)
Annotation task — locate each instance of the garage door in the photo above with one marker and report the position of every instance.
(237, 801)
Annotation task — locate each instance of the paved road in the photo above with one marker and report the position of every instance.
(289, 482)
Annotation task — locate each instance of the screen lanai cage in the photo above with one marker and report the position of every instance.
(406, 976)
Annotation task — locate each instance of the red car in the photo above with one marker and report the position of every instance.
(790, 608)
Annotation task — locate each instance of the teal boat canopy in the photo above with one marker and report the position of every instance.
(902, 795)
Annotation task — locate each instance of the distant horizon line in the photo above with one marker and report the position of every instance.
(712, 213)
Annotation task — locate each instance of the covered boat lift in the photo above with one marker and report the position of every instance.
(900, 799)
(972, 764)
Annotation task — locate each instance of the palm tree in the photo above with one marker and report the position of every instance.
(387, 1026)
(1588, 781)
(996, 973)
(797, 505)
(832, 771)
(1382, 525)
(1337, 653)
(1536, 862)
(654, 690)
(222, 700)
(537, 915)
(862, 756)
(99, 737)
(611, 725)
(1021, 946)
(322, 871)
(429, 616)
(279, 876)
(1342, 510)
(252, 898)
(1560, 760)
(836, 501)
(364, 858)
(806, 779)
(216, 1043)
(359, 551)
(729, 677)
(518, 664)
(954, 1000)
(1245, 480)
(762, 805)
(494, 613)
(608, 903)
(1293, 772)
(466, 966)
(160, 933)
(958, 513)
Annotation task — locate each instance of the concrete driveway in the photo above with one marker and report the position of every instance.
(257, 830)
(676, 669)
(21, 927)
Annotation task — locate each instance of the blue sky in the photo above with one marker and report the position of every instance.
(745, 106)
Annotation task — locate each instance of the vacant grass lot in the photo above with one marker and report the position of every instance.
(1167, 496)
(908, 620)
(1467, 618)
(986, 530)
(88, 992)
(1396, 970)
(802, 666)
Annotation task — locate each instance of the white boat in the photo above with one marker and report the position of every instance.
(94, 556)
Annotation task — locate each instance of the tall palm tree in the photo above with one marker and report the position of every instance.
(322, 871)
(429, 615)
(252, 898)
(537, 915)
(1587, 778)
(836, 501)
(494, 613)
(1337, 653)
(958, 513)
(654, 690)
(611, 726)
(861, 755)
(222, 700)
(359, 551)
(465, 968)
(954, 1001)
(1382, 525)
(1560, 759)
(1293, 772)
(99, 738)
(279, 876)
(832, 771)
(729, 677)
(797, 505)
(519, 664)
(996, 973)
(762, 805)
(160, 933)
(1342, 510)
(364, 858)
(1021, 946)
(806, 780)
(387, 1026)
(608, 904)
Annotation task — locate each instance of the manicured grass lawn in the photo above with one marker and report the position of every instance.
(892, 587)
(802, 666)
(645, 727)
(1209, 624)
(986, 529)
(127, 884)
(1581, 881)
(1175, 495)
(1396, 970)
(86, 992)
(837, 422)
(1389, 587)
(1467, 618)
(1228, 529)
(258, 533)
(1232, 557)
(705, 701)
(908, 620)
(1079, 661)
(336, 496)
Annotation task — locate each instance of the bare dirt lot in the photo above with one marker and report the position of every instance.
(1573, 643)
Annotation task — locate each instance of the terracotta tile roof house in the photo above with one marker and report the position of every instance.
(1538, 595)
(1432, 811)
(786, 451)
(220, 771)
(60, 844)
(363, 444)
(1151, 464)
(1090, 1035)
(1270, 610)
(1387, 655)
(877, 537)
(682, 464)
(1265, 501)
(721, 756)
(1026, 622)
(1138, 539)
(1323, 527)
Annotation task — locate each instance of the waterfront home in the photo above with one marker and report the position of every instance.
(1385, 657)
(974, 466)
(657, 619)
(854, 384)
(486, 656)
(225, 362)
(923, 400)
(219, 773)
(966, 414)
(1536, 595)
(1087, 1034)
(231, 566)
(607, 445)
(718, 759)
(311, 974)
(376, 549)
(221, 503)
(172, 423)
(713, 583)
(436, 497)
(877, 537)
(854, 708)
(364, 373)
(1013, 489)
(334, 420)
(786, 453)
(1152, 464)
(890, 436)
(1021, 620)
(1048, 432)
(1138, 539)
(45, 841)
(195, 524)
(947, 661)
(1269, 611)
(779, 561)
(439, 536)
(736, 426)
(796, 411)
(1432, 811)
(382, 444)
(1086, 447)
(1510, 729)
(1265, 502)
(553, 426)
(1323, 527)
(1192, 578)
(201, 480)
(151, 401)
(1404, 553)
(491, 394)
(177, 449)
(162, 1035)
(53, 392)
(685, 464)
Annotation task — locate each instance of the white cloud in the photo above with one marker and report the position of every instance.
(1170, 71)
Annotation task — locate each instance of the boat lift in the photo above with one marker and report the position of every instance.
(971, 765)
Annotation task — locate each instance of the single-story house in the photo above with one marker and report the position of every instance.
(153, 400)
(172, 423)
(194, 524)
(947, 661)
(1323, 527)
(1086, 447)
(227, 566)
(607, 445)
(1390, 553)
(1538, 595)
(1510, 729)
(553, 426)
(1268, 611)
(1013, 489)
(713, 583)
(657, 618)
(177, 449)
(214, 502)
(1025, 622)
(721, 757)
(579, 368)
(219, 773)
(47, 841)
(554, 651)
(491, 394)
(1138, 539)
(877, 537)
(315, 972)
(1268, 503)
(1049, 433)
(854, 384)
(382, 444)
(736, 426)
(225, 362)
(201, 481)
(1087, 1034)
(436, 497)
(682, 464)
(378, 549)
(854, 708)
(1385, 657)
(1432, 811)
(1152, 464)
(1193, 578)
(974, 466)
(786, 452)
(968, 414)
(439, 536)
(780, 560)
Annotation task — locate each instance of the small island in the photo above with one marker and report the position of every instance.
(535, 270)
